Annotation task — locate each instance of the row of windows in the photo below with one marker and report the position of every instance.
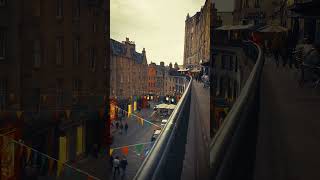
(59, 60)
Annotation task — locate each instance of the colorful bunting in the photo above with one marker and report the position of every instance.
(129, 110)
(135, 106)
(28, 154)
(111, 151)
(90, 178)
(125, 150)
(139, 148)
(19, 114)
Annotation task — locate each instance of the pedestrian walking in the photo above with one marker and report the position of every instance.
(275, 49)
(123, 165)
(111, 161)
(121, 127)
(117, 125)
(116, 164)
(126, 127)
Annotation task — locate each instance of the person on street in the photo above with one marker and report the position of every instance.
(111, 162)
(276, 49)
(126, 127)
(121, 128)
(116, 164)
(117, 125)
(123, 165)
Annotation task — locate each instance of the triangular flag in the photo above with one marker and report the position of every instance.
(111, 151)
(28, 154)
(68, 113)
(125, 150)
(90, 177)
(19, 113)
(139, 148)
(142, 122)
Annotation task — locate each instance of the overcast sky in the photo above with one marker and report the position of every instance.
(156, 25)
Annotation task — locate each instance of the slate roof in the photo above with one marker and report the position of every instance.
(119, 49)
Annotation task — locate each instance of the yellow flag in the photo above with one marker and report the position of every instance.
(142, 122)
(129, 110)
(110, 151)
(28, 153)
(135, 106)
(68, 112)
(19, 113)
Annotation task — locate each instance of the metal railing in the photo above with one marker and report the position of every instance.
(232, 150)
(165, 159)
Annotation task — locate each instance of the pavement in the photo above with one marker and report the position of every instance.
(98, 167)
(288, 143)
(196, 162)
(136, 134)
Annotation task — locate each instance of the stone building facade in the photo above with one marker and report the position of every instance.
(152, 76)
(128, 70)
(53, 70)
(259, 11)
(197, 36)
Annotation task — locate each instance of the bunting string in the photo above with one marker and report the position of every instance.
(132, 145)
(49, 157)
(131, 114)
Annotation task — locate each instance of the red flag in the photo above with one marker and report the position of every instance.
(125, 150)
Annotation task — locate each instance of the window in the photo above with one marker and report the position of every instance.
(236, 65)
(3, 44)
(257, 4)
(230, 63)
(59, 92)
(36, 54)
(76, 87)
(59, 9)
(59, 51)
(223, 61)
(3, 3)
(3, 94)
(76, 8)
(76, 51)
(92, 58)
(94, 27)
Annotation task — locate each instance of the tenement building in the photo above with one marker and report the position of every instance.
(197, 37)
(53, 74)
(128, 70)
